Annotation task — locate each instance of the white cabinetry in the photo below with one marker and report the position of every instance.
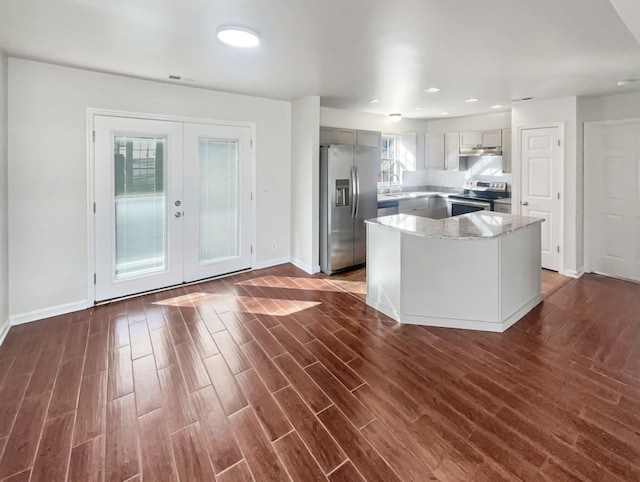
(368, 138)
(434, 151)
(336, 135)
(417, 207)
(351, 137)
(481, 138)
(506, 151)
(452, 148)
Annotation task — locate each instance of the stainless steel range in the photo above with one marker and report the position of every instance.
(477, 196)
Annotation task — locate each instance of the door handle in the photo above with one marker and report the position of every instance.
(357, 191)
(525, 203)
(353, 192)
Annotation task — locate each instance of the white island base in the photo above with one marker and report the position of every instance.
(478, 271)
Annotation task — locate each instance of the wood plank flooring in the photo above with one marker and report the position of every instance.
(277, 375)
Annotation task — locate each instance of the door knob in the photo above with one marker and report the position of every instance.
(177, 203)
(178, 214)
(525, 203)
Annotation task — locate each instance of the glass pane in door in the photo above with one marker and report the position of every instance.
(218, 200)
(140, 220)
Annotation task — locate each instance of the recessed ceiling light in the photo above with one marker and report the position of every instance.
(418, 108)
(431, 90)
(374, 101)
(620, 83)
(472, 99)
(238, 37)
(395, 117)
(497, 106)
(444, 113)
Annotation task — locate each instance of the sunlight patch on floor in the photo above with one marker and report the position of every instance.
(287, 282)
(244, 304)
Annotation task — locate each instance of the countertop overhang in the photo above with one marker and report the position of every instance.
(475, 226)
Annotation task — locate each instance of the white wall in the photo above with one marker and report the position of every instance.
(48, 170)
(305, 183)
(497, 120)
(356, 120)
(610, 107)
(4, 222)
(545, 112)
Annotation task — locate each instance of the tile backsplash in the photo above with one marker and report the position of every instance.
(486, 168)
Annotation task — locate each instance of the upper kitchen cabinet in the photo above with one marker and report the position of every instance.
(452, 151)
(481, 138)
(506, 151)
(351, 137)
(434, 151)
(368, 138)
(336, 135)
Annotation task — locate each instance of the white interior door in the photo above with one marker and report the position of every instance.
(612, 198)
(217, 200)
(541, 158)
(173, 203)
(138, 178)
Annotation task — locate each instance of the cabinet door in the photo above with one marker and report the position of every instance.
(492, 138)
(506, 151)
(369, 138)
(434, 150)
(328, 135)
(346, 136)
(452, 148)
(470, 139)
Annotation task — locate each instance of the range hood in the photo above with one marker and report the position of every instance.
(480, 151)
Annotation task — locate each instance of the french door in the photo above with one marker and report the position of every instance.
(173, 203)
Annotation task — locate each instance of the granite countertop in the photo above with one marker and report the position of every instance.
(477, 225)
(401, 196)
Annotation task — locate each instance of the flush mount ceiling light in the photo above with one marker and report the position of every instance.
(374, 101)
(238, 37)
(472, 99)
(395, 117)
(431, 90)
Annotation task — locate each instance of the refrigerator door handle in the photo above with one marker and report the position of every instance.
(353, 192)
(357, 183)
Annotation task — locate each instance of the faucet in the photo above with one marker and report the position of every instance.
(391, 176)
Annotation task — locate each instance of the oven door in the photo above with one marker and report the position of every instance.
(459, 206)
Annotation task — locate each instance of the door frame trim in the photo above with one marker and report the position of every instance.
(91, 113)
(587, 187)
(516, 180)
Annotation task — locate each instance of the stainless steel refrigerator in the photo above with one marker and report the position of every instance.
(348, 196)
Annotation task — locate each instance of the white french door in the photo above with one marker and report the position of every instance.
(173, 203)
(217, 200)
(541, 158)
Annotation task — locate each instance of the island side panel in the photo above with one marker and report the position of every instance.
(520, 265)
(450, 279)
(383, 270)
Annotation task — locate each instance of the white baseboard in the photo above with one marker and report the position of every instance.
(305, 267)
(573, 274)
(49, 312)
(5, 330)
(271, 262)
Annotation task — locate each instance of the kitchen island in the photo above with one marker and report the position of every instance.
(478, 271)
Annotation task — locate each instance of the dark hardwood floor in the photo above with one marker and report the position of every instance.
(276, 375)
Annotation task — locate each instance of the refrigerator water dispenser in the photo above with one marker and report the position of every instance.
(342, 192)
